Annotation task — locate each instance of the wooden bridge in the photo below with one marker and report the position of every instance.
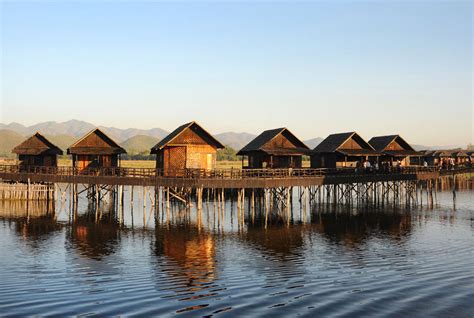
(219, 178)
(267, 191)
(323, 185)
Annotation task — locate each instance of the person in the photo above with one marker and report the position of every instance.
(425, 164)
(358, 166)
(367, 166)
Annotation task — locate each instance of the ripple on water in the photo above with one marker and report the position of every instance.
(346, 265)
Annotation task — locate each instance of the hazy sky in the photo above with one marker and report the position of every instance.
(314, 67)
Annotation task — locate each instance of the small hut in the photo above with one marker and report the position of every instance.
(428, 156)
(434, 157)
(188, 147)
(95, 150)
(275, 148)
(37, 151)
(342, 150)
(460, 156)
(394, 148)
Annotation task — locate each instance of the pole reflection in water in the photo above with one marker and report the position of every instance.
(328, 260)
(94, 237)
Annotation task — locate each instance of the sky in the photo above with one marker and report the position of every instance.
(376, 67)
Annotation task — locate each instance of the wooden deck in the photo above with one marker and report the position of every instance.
(226, 178)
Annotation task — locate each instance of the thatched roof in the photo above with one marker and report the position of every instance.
(37, 145)
(382, 143)
(196, 128)
(438, 153)
(263, 143)
(460, 153)
(334, 142)
(95, 143)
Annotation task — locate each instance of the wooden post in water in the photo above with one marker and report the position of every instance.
(253, 205)
(119, 204)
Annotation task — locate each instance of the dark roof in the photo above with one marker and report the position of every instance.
(334, 141)
(427, 153)
(193, 126)
(442, 153)
(460, 153)
(102, 145)
(379, 143)
(402, 153)
(37, 145)
(358, 152)
(259, 142)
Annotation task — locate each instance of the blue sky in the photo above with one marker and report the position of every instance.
(314, 67)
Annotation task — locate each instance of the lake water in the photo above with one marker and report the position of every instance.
(326, 262)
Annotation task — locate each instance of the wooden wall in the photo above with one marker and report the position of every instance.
(350, 144)
(40, 160)
(323, 160)
(186, 157)
(279, 142)
(259, 160)
(95, 161)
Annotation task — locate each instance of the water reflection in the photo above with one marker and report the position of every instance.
(352, 228)
(371, 261)
(94, 235)
(33, 221)
(277, 240)
(191, 251)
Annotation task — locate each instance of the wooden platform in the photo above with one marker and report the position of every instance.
(226, 179)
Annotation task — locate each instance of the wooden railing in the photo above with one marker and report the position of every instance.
(212, 174)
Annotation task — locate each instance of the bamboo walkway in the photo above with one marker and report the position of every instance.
(223, 179)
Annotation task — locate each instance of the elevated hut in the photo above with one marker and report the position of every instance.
(95, 150)
(394, 148)
(188, 147)
(434, 157)
(342, 150)
(428, 157)
(37, 151)
(275, 148)
(460, 156)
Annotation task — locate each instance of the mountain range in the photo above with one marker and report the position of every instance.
(134, 140)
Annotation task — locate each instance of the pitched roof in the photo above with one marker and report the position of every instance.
(460, 153)
(379, 143)
(334, 141)
(194, 126)
(37, 145)
(441, 153)
(95, 143)
(259, 142)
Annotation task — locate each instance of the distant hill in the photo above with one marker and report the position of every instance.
(62, 141)
(235, 140)
(134, 140)
(9, 139)
(312, 143)
(139, 144)
(77, 128)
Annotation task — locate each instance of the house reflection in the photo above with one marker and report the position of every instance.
(277, 240)
(94, 238)
(352, 229)
(192, 254)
